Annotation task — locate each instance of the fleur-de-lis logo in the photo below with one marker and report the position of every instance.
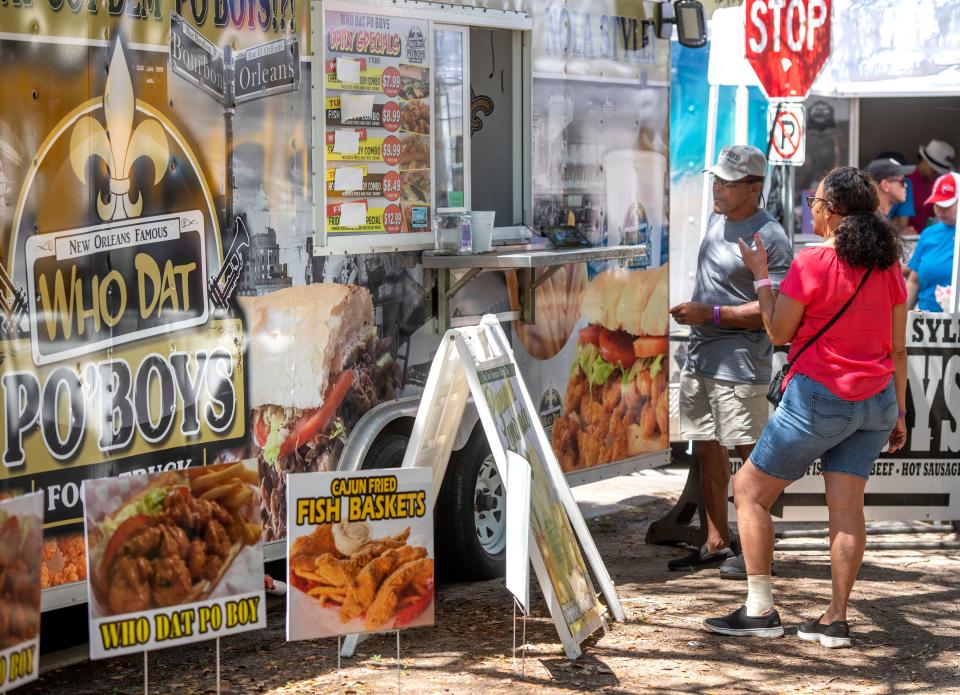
(119, 145)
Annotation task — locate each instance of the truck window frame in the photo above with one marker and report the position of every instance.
(445, 16)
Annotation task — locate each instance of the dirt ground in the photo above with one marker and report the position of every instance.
(905, 619)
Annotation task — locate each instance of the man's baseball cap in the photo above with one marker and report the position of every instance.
(938, 154)
(944, 192)
(880, 169)
(738, 162)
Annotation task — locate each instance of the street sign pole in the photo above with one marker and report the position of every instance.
(788, 216)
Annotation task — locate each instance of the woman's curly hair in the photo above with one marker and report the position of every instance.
(864, 239)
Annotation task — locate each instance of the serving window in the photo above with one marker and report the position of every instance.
(392, 148)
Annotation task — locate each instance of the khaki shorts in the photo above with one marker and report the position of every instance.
(722, 411)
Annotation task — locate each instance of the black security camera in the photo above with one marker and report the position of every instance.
(689, 17)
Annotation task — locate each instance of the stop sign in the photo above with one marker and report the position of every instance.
(788, 41)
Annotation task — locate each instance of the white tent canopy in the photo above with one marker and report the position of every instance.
(879, 48)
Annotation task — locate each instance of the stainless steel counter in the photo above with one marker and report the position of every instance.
(525, 259)
(529, 256)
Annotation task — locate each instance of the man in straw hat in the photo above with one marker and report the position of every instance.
(724, 382)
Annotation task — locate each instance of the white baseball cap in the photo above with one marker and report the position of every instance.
(739, 161)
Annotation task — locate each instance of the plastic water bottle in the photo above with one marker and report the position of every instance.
(466, 235)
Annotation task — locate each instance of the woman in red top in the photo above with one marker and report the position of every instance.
(843, 398)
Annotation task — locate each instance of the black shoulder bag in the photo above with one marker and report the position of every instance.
(775, 393)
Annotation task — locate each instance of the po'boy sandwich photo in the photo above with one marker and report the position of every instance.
(616, 405)
(172, 538)
(315, 367)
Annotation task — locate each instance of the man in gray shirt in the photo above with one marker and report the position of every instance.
(724, 382)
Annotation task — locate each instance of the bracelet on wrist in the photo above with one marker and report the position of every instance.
(762, 282)
(716, 314)
(902, 413)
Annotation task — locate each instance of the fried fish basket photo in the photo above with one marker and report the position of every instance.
(353, 582)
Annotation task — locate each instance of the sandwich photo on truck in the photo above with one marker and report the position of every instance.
(316, 366)
(616, 403)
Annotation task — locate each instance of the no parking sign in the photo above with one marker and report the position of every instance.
(787, 126)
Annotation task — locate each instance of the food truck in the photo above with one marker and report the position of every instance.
(224, 227)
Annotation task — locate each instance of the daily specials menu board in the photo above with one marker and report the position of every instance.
(21, 527)
(378, 118)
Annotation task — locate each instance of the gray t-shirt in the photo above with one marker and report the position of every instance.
(721, 352)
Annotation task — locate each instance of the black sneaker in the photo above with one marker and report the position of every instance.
(739, 624)
(735, 568)
(700, 559)
(833, 636)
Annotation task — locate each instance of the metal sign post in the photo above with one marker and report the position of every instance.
(254, 73)
(228, 111)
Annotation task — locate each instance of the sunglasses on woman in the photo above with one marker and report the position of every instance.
(811, 199)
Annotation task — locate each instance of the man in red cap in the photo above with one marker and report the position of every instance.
(932, 262)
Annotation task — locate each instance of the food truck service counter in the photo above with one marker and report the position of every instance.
(525, 258)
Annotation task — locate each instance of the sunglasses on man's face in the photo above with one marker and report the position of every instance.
(898, 179)
(717, 181)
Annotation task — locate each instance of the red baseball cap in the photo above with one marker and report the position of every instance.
(944, 192)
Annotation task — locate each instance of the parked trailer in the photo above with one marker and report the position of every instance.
(160, 161)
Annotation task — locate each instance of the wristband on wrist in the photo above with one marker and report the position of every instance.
(902, 413)
(716, 314)
(765, 282)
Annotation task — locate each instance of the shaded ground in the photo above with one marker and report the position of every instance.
(905, 619)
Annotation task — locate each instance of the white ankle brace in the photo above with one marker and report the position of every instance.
(759, 594)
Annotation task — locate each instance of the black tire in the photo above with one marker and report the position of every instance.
(387, 451)
(460, 553)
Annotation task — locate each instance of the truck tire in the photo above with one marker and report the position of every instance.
(471, 514)
(386, 451)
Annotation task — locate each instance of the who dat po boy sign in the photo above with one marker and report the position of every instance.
(173, 558)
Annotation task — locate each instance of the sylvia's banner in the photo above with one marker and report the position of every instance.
(360, 552)
(921, 480)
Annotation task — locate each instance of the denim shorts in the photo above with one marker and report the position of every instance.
(812, 423)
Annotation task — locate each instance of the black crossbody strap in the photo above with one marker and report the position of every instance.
(833, 320)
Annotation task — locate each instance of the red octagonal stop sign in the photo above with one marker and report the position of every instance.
(788, 41)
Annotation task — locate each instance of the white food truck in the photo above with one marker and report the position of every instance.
(165, 168)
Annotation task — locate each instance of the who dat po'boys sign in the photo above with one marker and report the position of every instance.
(173, 558)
